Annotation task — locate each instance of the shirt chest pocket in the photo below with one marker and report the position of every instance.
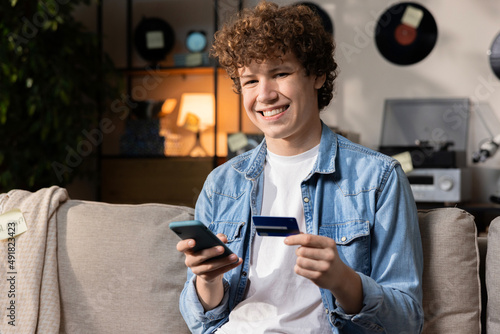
(353, 242)
(232, 230)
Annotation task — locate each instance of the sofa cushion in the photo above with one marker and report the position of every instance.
(451, 298)
(119, 269)
(493, 278)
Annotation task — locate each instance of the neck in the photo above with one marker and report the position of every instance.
(295, 145)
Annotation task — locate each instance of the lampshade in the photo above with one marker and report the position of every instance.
(168, 106)
(198, 105)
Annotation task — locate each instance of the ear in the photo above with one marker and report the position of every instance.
(319, 81)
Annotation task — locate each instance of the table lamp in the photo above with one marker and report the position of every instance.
(196, 113)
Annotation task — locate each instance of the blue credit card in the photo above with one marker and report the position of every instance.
(269, 226)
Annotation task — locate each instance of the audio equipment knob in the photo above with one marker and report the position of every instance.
(446, 183)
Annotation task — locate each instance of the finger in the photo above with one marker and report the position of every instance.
(195, 259)
(318, 254)
(217, 267)
(185, 245)
(222, 237)
(309, 240)
(313, 275)
(312, 265)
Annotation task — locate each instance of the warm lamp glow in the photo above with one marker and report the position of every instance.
(168, 106)
(196, 113)
(201, 105)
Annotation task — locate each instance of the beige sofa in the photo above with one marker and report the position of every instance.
(118, 270)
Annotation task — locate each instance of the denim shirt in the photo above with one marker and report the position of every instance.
(356, 196)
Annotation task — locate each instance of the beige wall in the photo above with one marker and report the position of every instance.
(458, 66)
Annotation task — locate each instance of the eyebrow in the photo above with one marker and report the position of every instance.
(277, 68)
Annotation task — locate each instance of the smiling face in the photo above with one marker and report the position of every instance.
(282, 101)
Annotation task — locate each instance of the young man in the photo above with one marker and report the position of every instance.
(357, 265)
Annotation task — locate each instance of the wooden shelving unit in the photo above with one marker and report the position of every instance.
(160, 179)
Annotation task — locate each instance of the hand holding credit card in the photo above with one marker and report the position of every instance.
(269, 226)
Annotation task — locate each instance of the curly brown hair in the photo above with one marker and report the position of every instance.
(269, 32)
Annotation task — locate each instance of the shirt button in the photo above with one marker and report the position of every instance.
(306, 199)
(343, 239)
(244, 273)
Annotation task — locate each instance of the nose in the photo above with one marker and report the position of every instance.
(267, 92)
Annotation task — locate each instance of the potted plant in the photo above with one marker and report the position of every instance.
(54, 80)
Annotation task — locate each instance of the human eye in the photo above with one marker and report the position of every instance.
(248, 82)
(282, 74)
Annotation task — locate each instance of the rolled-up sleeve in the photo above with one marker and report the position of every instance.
(192, 311)
(190, 306)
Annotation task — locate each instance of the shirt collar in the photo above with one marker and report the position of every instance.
(252, 163)
(327, 154)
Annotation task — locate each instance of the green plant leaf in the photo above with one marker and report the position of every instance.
(4, 107)
(48, 90)
(31, 109)
(31, 181)
(6, 70)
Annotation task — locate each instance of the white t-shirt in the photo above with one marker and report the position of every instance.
(278, 300)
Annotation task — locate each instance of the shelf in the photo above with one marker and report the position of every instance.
(159, 178)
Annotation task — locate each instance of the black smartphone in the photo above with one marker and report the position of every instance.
(271, 226)
(204, 238)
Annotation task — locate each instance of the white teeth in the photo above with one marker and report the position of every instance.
(274, 112)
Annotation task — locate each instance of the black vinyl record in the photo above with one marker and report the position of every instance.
(154, 39)
(494, 54)
(406, 33)
(325, 18)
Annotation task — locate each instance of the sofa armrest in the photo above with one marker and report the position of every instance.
(493, 278)
(451, 286)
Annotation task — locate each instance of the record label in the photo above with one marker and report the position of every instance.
(406, 33)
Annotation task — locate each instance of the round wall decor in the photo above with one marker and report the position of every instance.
(154, 39)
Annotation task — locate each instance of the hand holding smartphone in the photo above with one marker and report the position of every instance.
(204, 238)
